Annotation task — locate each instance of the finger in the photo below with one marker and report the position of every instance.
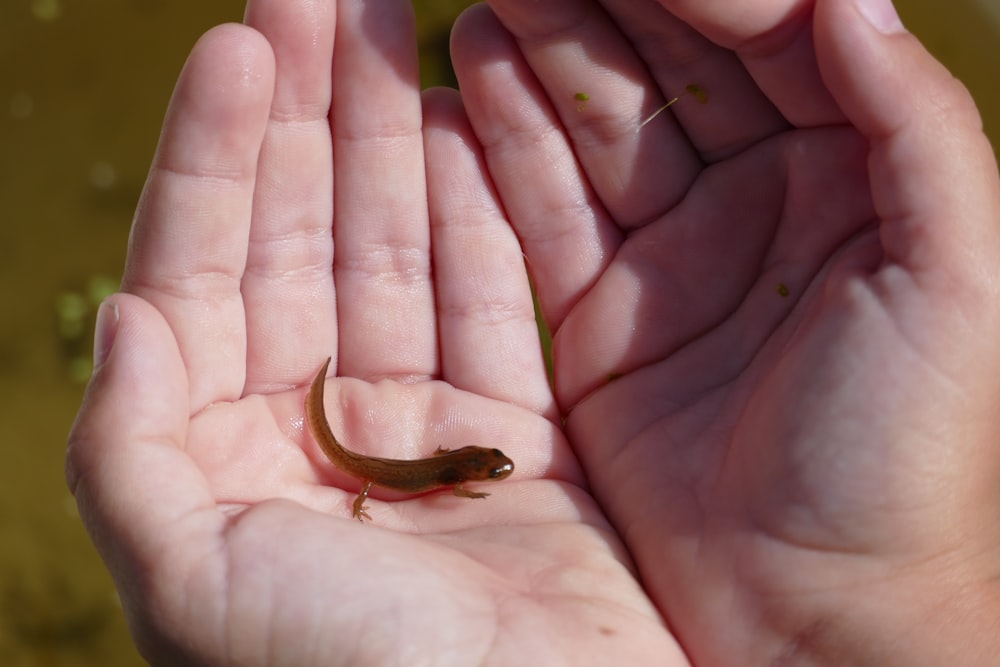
(188, 245)
(933, 173)
(382, 259)
(548, 199)
(774, 41)
(489, 337)
(733, 113)
(141, 497)
(288, 282)
(601, 90)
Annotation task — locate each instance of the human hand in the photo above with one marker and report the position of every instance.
(776, 313)
(288, 216)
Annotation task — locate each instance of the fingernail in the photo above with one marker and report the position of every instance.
(105, 331)
(882, 15)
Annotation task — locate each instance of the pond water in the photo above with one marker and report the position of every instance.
(83, 87)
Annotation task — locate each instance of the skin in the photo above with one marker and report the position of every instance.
(801, 480)
(447, 467)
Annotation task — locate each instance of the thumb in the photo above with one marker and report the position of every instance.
(933, 173)
(936, 192)
(125, 461)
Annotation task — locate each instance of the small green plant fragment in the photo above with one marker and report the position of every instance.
(582, 98)
(691, 89)
(782, 290)
(75, 310)
(699, 93)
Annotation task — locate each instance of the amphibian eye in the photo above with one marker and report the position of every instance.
(502, 471)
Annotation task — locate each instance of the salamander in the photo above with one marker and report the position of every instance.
(445, 468)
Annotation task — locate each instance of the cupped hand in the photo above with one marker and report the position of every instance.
(775, 309)
(306, 201)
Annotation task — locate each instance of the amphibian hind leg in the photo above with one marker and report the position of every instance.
(359, 504)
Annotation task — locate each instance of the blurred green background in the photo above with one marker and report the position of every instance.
(83, 88)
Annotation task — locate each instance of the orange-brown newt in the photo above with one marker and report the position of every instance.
(445, 468)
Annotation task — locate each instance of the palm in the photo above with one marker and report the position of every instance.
(450, 573)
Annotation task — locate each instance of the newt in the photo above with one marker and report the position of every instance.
(445, 468)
